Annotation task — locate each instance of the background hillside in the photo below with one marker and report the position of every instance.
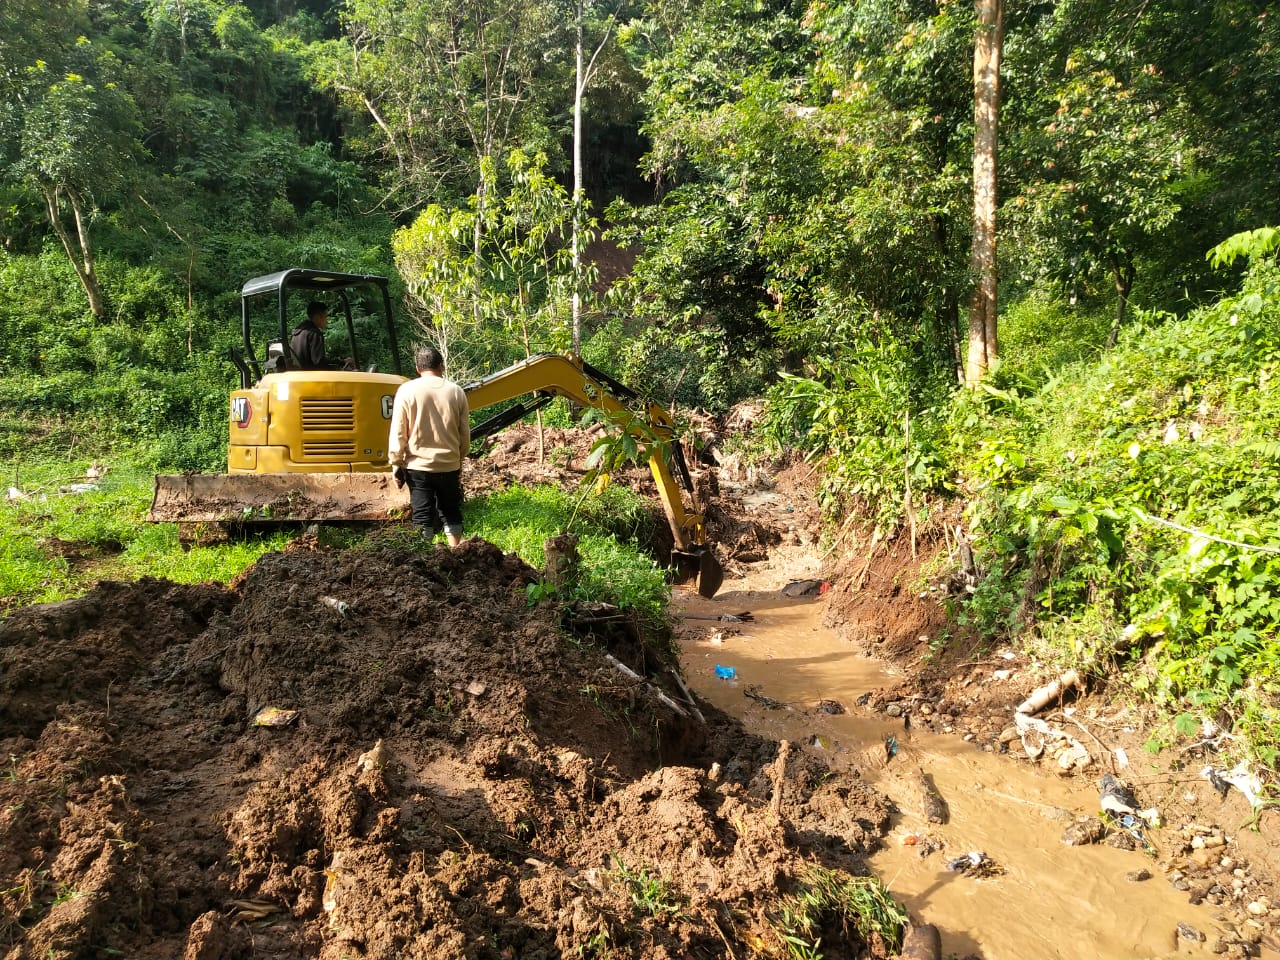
(794, 183)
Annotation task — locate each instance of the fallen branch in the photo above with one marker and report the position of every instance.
(1207, 536)
(693, 705)
(628, 672)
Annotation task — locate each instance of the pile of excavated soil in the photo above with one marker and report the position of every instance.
(456, 775)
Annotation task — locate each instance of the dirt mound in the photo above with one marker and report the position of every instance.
(458, 777)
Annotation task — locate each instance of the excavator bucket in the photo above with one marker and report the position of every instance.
(276, 497)
(699, 563)
(710, 573)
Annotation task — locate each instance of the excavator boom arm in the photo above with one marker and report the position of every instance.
(550, 375)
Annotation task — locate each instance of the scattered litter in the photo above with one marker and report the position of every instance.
(726, 673)
(806, 588)
(1118, 800)
(830, 706)
(910, 839)
(819, 741)
(1122, 758)
(716, 639)
(1239, 777)
(1120, 810)
(340, 607)
(864, 699)
(976, 864)
(1041, 740)
(752, 690)
(880, 753)
(81, 487)
(16, 494)
(476, 688)
(274, 717)
(1001, 674)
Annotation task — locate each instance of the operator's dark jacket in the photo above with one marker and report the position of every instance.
(307, 344)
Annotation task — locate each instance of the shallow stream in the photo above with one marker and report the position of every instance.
(1052, 902)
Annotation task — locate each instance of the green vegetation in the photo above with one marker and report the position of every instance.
(1128, 511)
(793, 184)
(617, 570)
(833, 903)
(651, 894)
(68, 531)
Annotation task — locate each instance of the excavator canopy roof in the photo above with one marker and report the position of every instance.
(299, 278)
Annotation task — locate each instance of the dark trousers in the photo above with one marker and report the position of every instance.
(436, 501)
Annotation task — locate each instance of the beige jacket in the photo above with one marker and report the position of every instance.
(430, 425)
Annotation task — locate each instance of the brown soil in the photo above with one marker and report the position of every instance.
(465, 776)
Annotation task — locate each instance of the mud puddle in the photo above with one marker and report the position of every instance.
(1045, 899)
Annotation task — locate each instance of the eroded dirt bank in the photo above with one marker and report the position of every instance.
(461, 778)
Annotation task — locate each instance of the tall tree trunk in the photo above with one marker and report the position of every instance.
(1122, 272)
(986, 120)
(579, 84)
(80, 248)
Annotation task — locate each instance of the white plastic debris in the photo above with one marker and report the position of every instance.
(1239, 777)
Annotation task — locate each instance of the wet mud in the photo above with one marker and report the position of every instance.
(445, 772)
(378, 753)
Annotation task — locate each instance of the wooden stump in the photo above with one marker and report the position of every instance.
(563, 563)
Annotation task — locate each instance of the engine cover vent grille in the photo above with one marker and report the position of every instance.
(328, 414)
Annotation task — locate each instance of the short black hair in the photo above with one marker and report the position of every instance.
(316, 307)
(428, 358)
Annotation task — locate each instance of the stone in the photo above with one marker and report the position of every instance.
(1086, 831)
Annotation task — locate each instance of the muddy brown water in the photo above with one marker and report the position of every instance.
(1052, 901)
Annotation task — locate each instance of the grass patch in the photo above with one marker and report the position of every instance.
(831, 903)
(66, 532)
(1127, 514)
(651, 895)
(521, 519)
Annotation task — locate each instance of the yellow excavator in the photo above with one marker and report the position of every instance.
(311, 445)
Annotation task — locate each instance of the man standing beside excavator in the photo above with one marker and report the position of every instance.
(430, 436)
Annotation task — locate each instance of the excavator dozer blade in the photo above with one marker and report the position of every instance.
(276, 497)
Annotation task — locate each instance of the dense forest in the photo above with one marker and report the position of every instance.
(717, 200)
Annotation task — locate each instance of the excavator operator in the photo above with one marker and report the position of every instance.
(307, 341)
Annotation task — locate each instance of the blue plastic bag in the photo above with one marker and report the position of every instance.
(725, 673)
